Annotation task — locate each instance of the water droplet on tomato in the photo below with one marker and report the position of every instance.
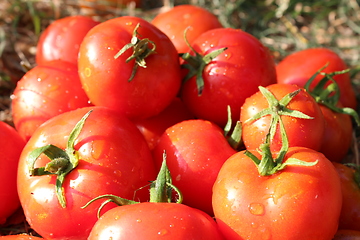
(163, 232)
(256, 208)
(87, 72)
(138, 220)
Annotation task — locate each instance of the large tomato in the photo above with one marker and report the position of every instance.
(193, 19)
(195, 150)
(298, 67)
(228, 78)
(350, 213)
(152, 221)
(45, 91)
(139, 85)
(62, 38)
(296, 203)
(279, 101)
(109, 156)
(11, 145)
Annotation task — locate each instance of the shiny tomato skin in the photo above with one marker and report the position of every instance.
(19, 237)
(298, 67)
(45, 91)
(195, 151)
(338, 136)
(297, 203)
(300, 132)
(193, 19)
(152, 221)
(11, 145)
(113, 159)
(62, 38)
(229, 78)
(106, 79)
(152, 128)
(350, 213)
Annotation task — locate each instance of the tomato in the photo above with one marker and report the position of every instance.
(350, 213)
(124, 84)
(337, 138)
(343, 234)
(44, 92)
(11, 145)
(154, 221)
(62, 38)
(113, 158)
(297, 202)
(301, 131)
(152, 128)
(19, 237)
(230, 77)
(196, 150)
(298, 67)
(195, 20)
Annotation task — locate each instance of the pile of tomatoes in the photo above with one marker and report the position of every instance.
(167, 129)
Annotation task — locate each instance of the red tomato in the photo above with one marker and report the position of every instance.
(61, 39)
(350, 213)
(11, 145)
(296, 203)
(195, 150)
(152, 221)
(44, 92)
(343, 234)
(19, 237)
(113, 159)
(152, 128)
(301, 132)
(298, 67)
(195, 19)
(107, 79)
(337, 138)
(229, 78)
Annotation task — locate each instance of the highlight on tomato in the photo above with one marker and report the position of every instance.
(45, 91)
(193, 19)
(75, 157)
(134, 70)
(11, 146)
(62, 38)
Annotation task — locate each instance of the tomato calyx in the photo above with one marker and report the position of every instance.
(233, 134)
(61, 162)
(196, 64)
(269, 165)
(141, 50)
(160, 191)
(329, 95)
(276, 109)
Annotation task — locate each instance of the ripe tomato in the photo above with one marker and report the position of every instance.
(150, 221)
(337, 138)
(300, 131)
(11, 145)
(298, 67)
(61, 39)
(195, 150)
(296, 203)
(44, 92)
(194, 19)
(113, 158)
(229, 78)
(109, 79)
(350, 213)
(152, 128)
(19, 237)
